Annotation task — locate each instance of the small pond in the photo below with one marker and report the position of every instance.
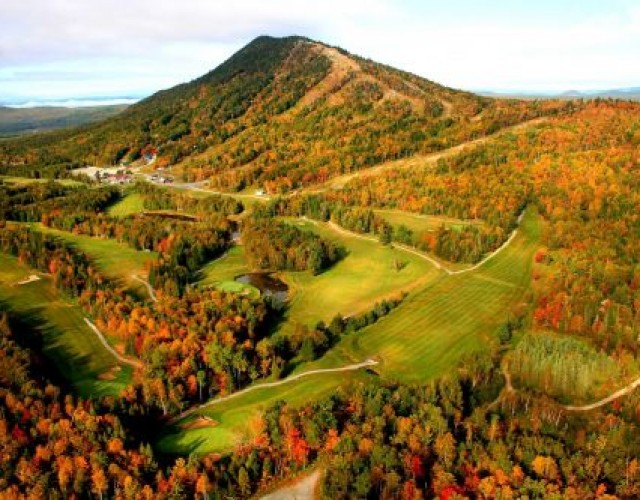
(267, 283)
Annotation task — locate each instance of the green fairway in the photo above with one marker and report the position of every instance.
(117, 260)
(232, 420)
(8, 179)
(434, 327)
(132, 203)
(368, 274)
(419, 223)
(60, 326)
(221, 273)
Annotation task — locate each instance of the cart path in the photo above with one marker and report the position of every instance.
(127, 361)
(292, 378)
(627, 389)
(152, 293)
(436, 264)
(624, 391)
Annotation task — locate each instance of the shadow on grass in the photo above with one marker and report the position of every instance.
(53, 359)
(169, 436)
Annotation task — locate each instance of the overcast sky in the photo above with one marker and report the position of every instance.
(88, 48)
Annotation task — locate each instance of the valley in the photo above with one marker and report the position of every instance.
(412, 290)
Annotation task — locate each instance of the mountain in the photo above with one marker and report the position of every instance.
(15, 121)
(630, 93)
(282, 113)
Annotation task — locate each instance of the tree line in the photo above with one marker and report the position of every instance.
(276, 245)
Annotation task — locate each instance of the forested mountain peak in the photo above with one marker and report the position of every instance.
(283, 113)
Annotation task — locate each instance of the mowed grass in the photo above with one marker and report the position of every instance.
(59, 326)
(221, 273)
(368, 274)
(419, 223)
(427, 335)
(132, 203)
(117, 260)
(8, 179)
(233, 420)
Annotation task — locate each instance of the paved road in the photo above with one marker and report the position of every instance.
(357, 366)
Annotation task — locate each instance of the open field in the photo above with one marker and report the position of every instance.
(352, 286)
(132, 203)
(117, 260)
(220, 273)
(365, 276)
(566, 368)
(59, 325)
(8, 179)
(233, 419)
(419, 223)
(457, 314)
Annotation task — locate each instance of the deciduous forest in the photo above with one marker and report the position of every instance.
(459, 311)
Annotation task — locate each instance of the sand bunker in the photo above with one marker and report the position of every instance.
(199, 423)
(30, 279)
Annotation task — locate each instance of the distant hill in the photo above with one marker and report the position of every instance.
(631, 93)
(16, 121)
(282, 113)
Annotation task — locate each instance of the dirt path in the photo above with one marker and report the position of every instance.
(127, 361)
(612, 397)
(421, 160)
(301, 489)
(492, 254)
(404, 248)
(348, 368)
(426, 257)
(152, 294)
(30, 279)
(627, 389)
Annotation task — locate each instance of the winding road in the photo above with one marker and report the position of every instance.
(627, 389)
(612, 397)
(124, 360)
(152, 293)
(292, 378)
(423, 255)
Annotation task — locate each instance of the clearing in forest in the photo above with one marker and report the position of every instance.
(118, 261)
(369, 273)
(59, 326)
(132, 203)
(458, 314)
(236, 420)
(424, 337)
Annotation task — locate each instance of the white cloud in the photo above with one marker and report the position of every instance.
(88, 47)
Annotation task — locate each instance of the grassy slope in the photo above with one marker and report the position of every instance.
(221, 272)
(365, 276)
(8, 179)
(117, 260)
(420, 223)
(67, 340)
(130, 204)
(234, 417)
(457, 314)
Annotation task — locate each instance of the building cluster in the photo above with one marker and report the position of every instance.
(111, 176)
